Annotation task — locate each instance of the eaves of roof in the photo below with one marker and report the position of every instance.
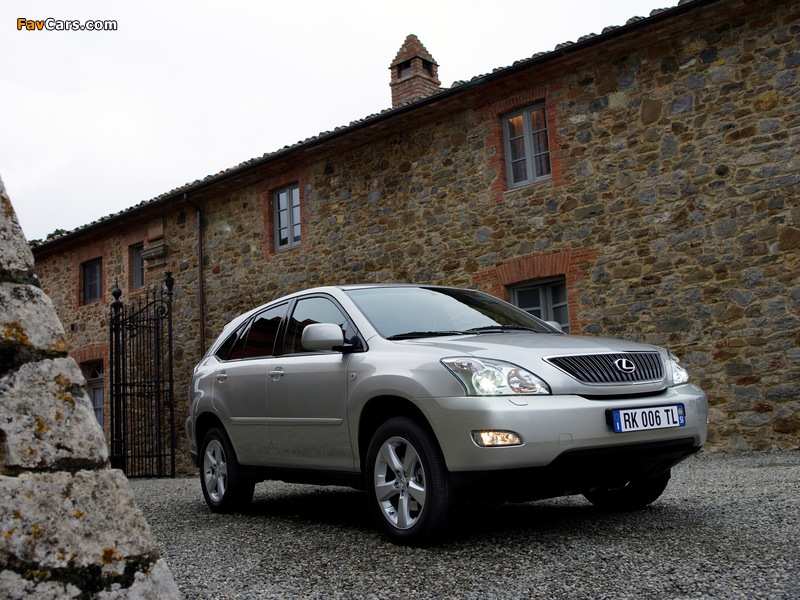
(460, 87)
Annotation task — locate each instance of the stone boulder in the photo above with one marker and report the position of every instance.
(69, 525)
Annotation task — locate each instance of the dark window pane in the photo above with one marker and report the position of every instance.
(559, 293)
(542, 165)
(263, 333)
(515, 127)
(233, 347)
(519, 171)
(517, 148)
(308, 311)
(538, 120)
(137, 268)
(561, 315)
(540, 143)
(92, 281)
(529, 298)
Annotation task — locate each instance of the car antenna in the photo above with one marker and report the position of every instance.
(252, 301)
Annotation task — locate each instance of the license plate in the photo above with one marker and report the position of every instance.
(641, 419)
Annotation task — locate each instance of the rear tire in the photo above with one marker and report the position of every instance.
(407, 482)
(635, 495)
(225, 487)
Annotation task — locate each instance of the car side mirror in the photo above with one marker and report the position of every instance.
(555, 325)
(325, 337)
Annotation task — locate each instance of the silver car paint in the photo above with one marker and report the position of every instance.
(318, 428)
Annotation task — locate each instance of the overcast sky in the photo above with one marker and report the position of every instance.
(94, 122)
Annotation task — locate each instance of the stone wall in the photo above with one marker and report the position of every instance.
(672, 210)
(69, 524)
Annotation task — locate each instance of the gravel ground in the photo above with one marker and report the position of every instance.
(728, 526)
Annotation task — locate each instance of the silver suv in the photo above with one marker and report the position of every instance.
(421, 393)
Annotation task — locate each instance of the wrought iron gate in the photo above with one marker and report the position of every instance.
(142, 407)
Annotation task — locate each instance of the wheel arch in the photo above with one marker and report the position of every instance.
(380, 409)
(204, 423)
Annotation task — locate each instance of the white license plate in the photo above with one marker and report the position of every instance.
(641, 419)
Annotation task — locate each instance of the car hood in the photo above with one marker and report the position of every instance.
(506, 346)
(530, 352)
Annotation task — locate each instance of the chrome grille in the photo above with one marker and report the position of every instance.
(603, 368)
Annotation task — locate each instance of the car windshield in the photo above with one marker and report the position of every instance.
(409, 312)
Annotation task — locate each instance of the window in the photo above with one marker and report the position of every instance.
(263, 333)
(92, 273)
(313, 310)
(255, 338)
(137, 267)
(546, 299)
(527, 146)
(94, 387)
(287, 217)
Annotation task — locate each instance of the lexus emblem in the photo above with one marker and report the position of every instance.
(625, 365)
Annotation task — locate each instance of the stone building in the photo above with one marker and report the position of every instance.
(641, 183)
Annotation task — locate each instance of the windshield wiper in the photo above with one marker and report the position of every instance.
(411, 335)
(503, 328)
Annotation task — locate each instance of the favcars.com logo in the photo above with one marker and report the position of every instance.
(65, 25)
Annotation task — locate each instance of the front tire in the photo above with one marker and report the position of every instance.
(635, 495)
(225, 487)
(407, 482)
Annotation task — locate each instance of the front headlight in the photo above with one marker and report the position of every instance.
(679, 374)
(486, 377)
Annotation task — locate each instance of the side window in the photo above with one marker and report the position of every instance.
(313, 310)
(255, 338)
(545, 298)
(527, 146)
(233, 347)
(263, 333)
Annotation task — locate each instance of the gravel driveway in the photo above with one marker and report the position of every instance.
(728, 526)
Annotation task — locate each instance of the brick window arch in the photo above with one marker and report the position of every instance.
(573, 264)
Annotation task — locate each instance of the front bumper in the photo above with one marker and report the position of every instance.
(552, 426)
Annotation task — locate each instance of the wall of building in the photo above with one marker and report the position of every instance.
(672, 210)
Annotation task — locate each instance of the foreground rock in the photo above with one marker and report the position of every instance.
(69, 526)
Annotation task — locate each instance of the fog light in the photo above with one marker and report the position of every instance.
(496, 438)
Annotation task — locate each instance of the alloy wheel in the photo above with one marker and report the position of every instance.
(400, 485)
(215, 470)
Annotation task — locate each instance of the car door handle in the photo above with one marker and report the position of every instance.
(221, 377)
(277, 373)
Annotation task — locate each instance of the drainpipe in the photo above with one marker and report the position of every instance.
(201, 292)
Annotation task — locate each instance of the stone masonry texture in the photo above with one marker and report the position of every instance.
(672, 210)
(70, 527)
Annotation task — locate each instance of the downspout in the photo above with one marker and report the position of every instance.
(201, 292)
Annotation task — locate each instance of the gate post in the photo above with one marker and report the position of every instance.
(169, 282)
(116, 384)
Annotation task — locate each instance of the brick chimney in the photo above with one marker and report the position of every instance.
(414, 73)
